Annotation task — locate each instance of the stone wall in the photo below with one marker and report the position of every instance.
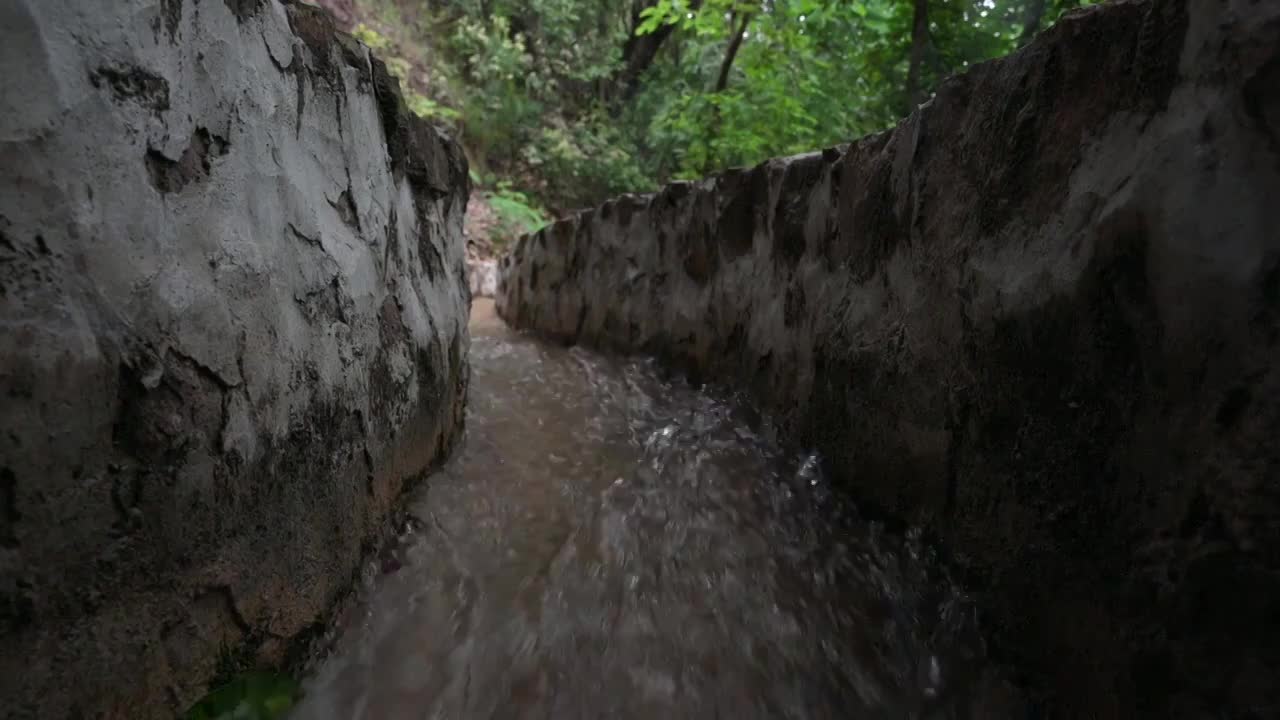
(232, 331)
(1040, 316)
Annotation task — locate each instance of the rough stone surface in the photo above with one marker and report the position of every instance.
(1041, 316)
(343, 11)
(482, 274)
(232, 329)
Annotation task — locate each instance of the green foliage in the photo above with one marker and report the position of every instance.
(376, 41)
(564, 98)
(583, 161)
(425, 107)
(403, 70)
(500, 113)
(516, 213)
(251, 696)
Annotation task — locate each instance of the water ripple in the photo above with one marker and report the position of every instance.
(610, 543)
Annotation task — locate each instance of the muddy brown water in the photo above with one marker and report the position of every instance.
(610, 543)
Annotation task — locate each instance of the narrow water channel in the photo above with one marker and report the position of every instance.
(610, 543)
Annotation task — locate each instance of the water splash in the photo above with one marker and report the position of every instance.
(610, 543)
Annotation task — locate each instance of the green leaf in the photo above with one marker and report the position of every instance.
(654, 16)
(252, 696)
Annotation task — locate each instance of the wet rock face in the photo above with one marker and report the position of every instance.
(232, 329)
(1039, 316)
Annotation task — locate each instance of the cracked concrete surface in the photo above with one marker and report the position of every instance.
(233, 313)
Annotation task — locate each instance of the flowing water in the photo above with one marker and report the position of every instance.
(608, 543)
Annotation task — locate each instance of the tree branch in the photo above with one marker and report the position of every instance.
(1031, 23)
(919, 43)
(731, 52)
(640, 51)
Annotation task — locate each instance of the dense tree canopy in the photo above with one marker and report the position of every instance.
(576, 100)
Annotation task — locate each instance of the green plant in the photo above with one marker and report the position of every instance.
(583, 162)
(403, 70)
(577, 100)
(516, 214)
(482, 178)
(250, 696)
(425, 107)
(376, 41)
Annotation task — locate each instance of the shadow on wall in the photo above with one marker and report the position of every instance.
(1040, 316)
(222, 358)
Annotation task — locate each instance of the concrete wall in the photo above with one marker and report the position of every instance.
(232, 330)
(1041, 316)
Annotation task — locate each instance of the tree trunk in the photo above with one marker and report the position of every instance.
(919, 44)
(639, 51)
(1031, 22)
(731, 52)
